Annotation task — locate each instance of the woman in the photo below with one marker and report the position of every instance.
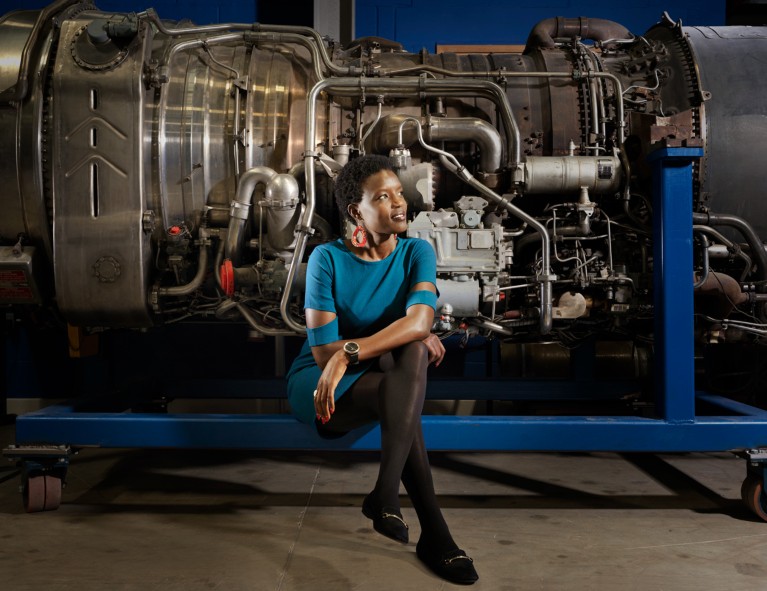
(370, 305)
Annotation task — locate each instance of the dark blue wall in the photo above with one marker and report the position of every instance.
(200, 11)
(424, 23)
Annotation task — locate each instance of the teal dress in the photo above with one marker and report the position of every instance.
(366, 296)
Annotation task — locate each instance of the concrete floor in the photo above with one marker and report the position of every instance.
(182, 520)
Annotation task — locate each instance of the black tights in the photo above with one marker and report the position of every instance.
(394, 396)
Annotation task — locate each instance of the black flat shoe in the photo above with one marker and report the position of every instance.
(387, 521)
(453, 565)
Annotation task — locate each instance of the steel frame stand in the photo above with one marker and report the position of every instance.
(731, 425)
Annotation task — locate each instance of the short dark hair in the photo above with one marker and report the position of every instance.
(352, 176)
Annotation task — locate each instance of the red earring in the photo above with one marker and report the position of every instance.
(359, 236)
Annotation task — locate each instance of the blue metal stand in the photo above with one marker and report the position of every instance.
(730, 426)
(672, 272)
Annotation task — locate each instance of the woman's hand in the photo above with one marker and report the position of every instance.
(436, 349)
(324, 401)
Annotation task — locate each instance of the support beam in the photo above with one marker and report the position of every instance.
(673, 279)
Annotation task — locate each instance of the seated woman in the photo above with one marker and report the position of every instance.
(370, 305)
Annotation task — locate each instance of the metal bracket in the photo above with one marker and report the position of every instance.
(37, 452)
(40, 458)
(753, 456)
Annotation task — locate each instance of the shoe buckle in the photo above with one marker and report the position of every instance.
(387, 515)
(459, 557)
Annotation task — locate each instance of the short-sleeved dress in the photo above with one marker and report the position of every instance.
(366, 296)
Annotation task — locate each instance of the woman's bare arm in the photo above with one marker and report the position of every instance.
(414, 326)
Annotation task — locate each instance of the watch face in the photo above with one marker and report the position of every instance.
(351, 348)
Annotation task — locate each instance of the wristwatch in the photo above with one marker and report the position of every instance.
(352, 351)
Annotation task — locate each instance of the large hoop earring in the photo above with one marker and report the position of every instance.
(359, 236)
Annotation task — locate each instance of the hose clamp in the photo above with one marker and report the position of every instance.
(240, 210)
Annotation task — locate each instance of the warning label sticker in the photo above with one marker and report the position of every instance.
(14, 286)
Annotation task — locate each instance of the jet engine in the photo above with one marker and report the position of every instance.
(160, 171)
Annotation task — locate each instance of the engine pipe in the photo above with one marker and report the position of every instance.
(546, 278)
(469, 129)
(304, 32)
(390, 135)
(196, 282)
(304, 229)
(306, 36)
(257, 326)
(732, 248)
(501, 74)
(150, 14)
(596, 29)
(439, 88)
(318, 42)
(597, 99)
(746, 230)
(706, 268)
(372, 126)
(240, 210)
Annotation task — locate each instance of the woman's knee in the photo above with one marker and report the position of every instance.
(413, 358)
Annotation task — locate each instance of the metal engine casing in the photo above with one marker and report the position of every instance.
(164, 172)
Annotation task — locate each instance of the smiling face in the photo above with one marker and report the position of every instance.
(382, 209)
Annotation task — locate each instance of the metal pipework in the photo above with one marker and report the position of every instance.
(596, 29)
(428, 87)
(196, 282)
(469, 129)
(257, 326)
(150, 14)
(247, 37)
(509, 122)
(546, 278)
(281, 200)
(372, 126)
(318, 42)
(757, 247)
(316, 55)
(311, 37)
(240, 209)
(390, 135)
(502, 74)
(185, 46)
(597, 99)
(730, 248)
(380, 86)
(706, 268)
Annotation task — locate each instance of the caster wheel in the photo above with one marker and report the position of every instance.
(42, 493)
(752, 492)
(33, 492)
(52, 492)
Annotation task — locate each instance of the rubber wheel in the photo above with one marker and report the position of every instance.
(42, 493)
(752, 492)
(52, 492)
(33, 492)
